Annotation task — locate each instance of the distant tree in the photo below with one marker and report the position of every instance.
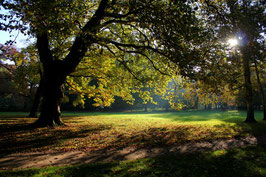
(197, 93)
(23, 70)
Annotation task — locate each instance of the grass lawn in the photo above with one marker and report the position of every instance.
(111, 131)
(105, 131)
(248, 162)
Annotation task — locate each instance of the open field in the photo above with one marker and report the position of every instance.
(108, 131)
(101, 132)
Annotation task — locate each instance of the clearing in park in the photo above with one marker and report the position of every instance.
(194, 143)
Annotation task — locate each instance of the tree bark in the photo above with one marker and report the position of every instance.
(261, 91)
(36, 101)
(247, 83)
(145, 107)
(264, 112)
(52, 94)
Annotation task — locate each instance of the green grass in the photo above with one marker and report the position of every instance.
(241, 162)
(13, 114)
(110, 131)
(195, 117)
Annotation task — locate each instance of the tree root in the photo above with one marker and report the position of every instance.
(51, 124)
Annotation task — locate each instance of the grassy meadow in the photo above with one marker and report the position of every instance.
(110, 131)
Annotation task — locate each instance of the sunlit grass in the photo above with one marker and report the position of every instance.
(240, 162)
(183, 117)
(108, 131)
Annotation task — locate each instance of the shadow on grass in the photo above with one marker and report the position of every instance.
(21, 137)
(194, 116)
(255, 129)
(235, 117)
(244, 162)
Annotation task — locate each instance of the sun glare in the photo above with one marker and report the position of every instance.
(232, 42)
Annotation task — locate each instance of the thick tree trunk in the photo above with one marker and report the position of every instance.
(264, 112)
(52, 94)
(248, 87)
(36, 101)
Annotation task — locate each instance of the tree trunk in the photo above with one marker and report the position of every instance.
(264, 112)
(52, 94)
(36, 101)
(261, 90)
(25, 104)
(196, 102)
(248, 87)
(55, 70)
(146, 107)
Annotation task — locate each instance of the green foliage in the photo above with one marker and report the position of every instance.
(24, 70)
(132, 41)
(102, 76)
(140, 46)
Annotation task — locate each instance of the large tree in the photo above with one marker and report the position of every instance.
(244, 21)
(67, 31)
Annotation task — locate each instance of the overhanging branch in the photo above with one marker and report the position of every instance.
(85, 38)
(135, 46)
(150, 60)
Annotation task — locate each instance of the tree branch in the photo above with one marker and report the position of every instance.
(91, 76)
(150, 60)
(113, 15)
(43, 48)
(119, 45)
(222, 17)
(85, 39)
(118, 21)
(129, 70)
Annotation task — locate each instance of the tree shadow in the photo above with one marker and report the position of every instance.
(233, 116)
(18, 138)
(244, 162)
(258, 130)
(200, 164)
(22, 137)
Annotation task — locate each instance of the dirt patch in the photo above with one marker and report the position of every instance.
(40, 159)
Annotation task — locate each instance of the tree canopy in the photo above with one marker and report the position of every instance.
(106, 48)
